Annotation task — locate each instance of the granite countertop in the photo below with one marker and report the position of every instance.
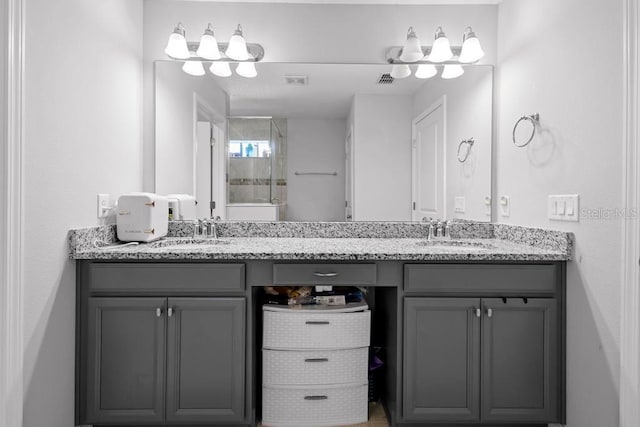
(506, 243)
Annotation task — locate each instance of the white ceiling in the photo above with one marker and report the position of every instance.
(405, 2)
(328, 93)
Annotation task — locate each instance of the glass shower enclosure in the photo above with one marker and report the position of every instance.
(256, 168)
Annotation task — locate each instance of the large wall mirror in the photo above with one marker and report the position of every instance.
(326, 142)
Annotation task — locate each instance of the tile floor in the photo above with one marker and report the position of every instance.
(377, 417)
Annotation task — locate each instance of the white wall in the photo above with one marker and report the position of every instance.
(468, 114)
(315, 146)
(175, 127)
(83, 135)
(299, 33)
(382, 158)
(546, 65)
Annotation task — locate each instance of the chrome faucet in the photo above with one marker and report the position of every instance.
(437, 229)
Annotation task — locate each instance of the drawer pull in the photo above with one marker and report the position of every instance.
(317, 322)
(317, 359)
(318, 274)
(319, 397)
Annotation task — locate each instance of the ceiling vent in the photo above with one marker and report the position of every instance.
(296, 80)
(385, 79)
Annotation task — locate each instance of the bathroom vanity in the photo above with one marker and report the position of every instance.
(472, 331)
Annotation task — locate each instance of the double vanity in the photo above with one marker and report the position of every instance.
(471, 330)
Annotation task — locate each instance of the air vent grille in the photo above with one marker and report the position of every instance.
(296, 80)
(385, 79)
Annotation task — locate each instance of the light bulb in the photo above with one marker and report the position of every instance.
(177, 44)
(208, 47)
(246, 69)
(400, 71)
(193, 68)
(426, 71)
(441, 49)
(412, 51)
(451, 71)
(220, 69)
(237, 48)
(471, 49)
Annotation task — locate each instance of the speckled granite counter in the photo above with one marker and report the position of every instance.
(332, 241)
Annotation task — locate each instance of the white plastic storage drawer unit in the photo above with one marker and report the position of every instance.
(315, 365)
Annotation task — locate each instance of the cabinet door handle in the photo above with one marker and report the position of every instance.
(317, 397)
(170, 312)
(158, 312)
(317, 322)
(478, 312)
(489, 312)
(317, 359)
(318, 274)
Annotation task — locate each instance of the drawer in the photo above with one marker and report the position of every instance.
(177, 277)
(516, 279)
(324, 274)
(314, 406)
(297, 330)
(286, 367)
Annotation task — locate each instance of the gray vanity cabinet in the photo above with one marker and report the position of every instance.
(471, 358)
(205, 355)
(170, 350)
(125, 360)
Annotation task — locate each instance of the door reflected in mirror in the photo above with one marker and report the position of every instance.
(347, 145)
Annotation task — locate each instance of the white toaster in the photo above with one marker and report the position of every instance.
(141, 217)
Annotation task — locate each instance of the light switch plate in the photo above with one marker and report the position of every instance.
(504, 206)
(563, 207)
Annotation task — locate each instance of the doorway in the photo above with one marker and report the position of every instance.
(428, 163)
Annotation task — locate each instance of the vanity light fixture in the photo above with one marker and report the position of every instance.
(441, 50)
(400, 71)
(177, 44)
(193, 68)
(412, 51)
(220, 55)
(220, 69)
(451, 71)
(441, 54)
(237, 48)
(471, 49)
(426, 71)
(208, 48)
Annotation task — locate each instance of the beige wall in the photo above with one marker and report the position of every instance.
(547, 64)
(83, 136)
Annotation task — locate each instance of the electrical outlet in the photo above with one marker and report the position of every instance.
(563, 207)
(487, 205)
(104, 205)
(505, 206)
(460, 204)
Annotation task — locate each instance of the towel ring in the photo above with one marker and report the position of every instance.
(534, 119)
(469, 143)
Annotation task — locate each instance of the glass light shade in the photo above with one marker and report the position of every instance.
(246, 69)
(193, 68)
(471, 50)
(400, 71)
(426, 71)
(208, 47)
(220, 69)
(411, 51)
(441, 49)
(237, 48)
(177, 45)
(451, 71)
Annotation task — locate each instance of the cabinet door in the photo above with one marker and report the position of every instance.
(519, 360)
(125, 360)
(441, 361)
(205, 360)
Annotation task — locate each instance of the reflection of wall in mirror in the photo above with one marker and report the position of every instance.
(175, 125)
(468, 115)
